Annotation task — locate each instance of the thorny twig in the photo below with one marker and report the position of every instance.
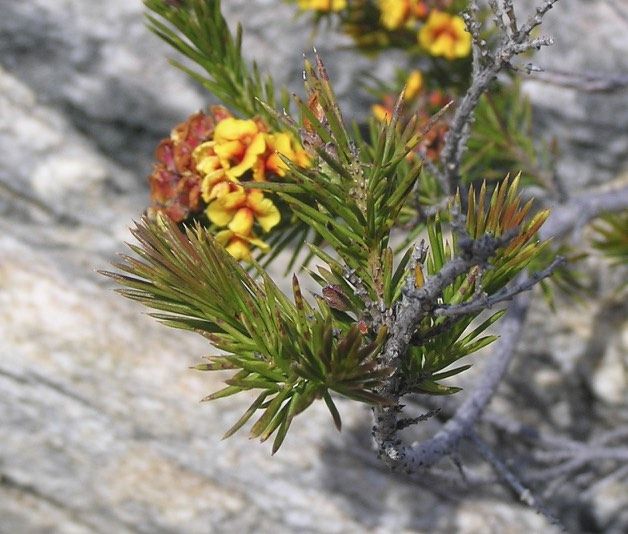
(509, 478)
(427, 453)
(417, 302)
(485, 302)
(549, 448)
(487, 65)
(585, 82)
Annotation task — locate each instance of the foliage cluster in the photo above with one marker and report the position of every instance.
(297, 170)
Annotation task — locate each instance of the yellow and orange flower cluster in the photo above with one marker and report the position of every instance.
(229, 152)
(322, 5)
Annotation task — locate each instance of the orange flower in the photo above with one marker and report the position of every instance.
(239, 209)
(277, 145)
(238, 144)
(445, 35)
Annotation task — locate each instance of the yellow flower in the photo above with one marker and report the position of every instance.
(445, 35)
(414, 84)
(239, 209)
(277, 145)
(322, 5)
(239, 246)
(215, 181)
(394, 13)
(238, 144)
(381, 112)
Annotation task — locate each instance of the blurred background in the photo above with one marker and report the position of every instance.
(100, 425)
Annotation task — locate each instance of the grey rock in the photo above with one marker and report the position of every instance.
(101, 427)
(590, 38)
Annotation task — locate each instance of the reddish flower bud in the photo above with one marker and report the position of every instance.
(336, 299)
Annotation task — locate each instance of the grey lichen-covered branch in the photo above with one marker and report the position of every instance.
(486, 302)
(588, 82)
(416, 303)
(570, 217)
(486, 66)
(425, 454)
(509, 478)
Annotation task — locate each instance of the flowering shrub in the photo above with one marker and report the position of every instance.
(418, 231)
(201, 169)
(419, 236)
(222, 180)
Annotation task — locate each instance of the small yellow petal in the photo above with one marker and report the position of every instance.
(203, 151)
(218, 214)
(209, 182)
(463, 45)
(394, 13)
(230, 129)
(222, 210)
(381, 113)
(219, 190)
(443, 46)
(242, 222)
(251, 154)
(282, 143)
(228, 150)
(438, 18)
(302, 159)
(414, 84)
(265, 211)
(259, 171)
(458, 25)
(239, 249)
(265, 247)
(235, 199)
(224, 236)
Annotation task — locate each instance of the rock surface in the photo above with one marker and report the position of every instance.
(101, 429)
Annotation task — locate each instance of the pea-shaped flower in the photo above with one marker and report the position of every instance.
(445, 35)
